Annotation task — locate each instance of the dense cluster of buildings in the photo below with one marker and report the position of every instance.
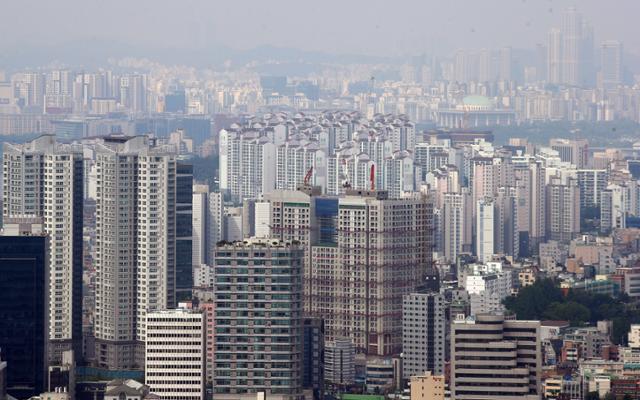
(567, 77)
(365, 242)
(339, 254)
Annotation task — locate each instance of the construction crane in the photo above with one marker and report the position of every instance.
(307, 177)
(345, 183)
(372, 177)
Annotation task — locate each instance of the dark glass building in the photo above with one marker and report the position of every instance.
(23, 310)
(184, 211)
(313, 356)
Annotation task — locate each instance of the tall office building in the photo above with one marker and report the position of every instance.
(555, 46)
(24, 266)
(136, 236)
(376, 251)
(563, 210)
(423, 333)
(484, 237)
(258, 335)
(184, 231)
(610, 64)
(505, 64)
(175, 354)
(494, 358)
(572, 34)
(313, 356)
(44, 178)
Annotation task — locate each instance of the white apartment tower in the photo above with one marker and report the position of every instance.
(136, 244)
(175, 354)
(485, 210)
(296, 158)
(455, 220)
(43, 178)
(207, 221)
(247, 164)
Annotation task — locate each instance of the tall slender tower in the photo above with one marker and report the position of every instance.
(554, 56)
(137, 211)
(44, 178)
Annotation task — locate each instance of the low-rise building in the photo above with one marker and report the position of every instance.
(427, 386)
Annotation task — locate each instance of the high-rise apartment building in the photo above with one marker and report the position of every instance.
(399, 174)
(24, 267)
(139, 186)
(247, 164)
(43, 178)
(295, 159)
(455, 217)
(494, 358)
(208, 223)
(563, 210)
(591, 183)
(299, 215)
(175, 354)
(378, 250)
(423, 333)
(258, 319)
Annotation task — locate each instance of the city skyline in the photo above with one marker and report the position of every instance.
(377, 29)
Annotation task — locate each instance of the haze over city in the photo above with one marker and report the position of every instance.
(320, 200)
(378, 27)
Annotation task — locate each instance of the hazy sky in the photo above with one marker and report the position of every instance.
(374, 27)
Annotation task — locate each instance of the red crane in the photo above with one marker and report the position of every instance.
(307, 177)
(372, 177)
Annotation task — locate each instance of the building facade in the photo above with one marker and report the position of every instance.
(258, 319)
(175, 354)
(43, 178)
(495, 358)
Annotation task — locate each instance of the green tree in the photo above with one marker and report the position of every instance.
(532, 301)
(571, 311)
